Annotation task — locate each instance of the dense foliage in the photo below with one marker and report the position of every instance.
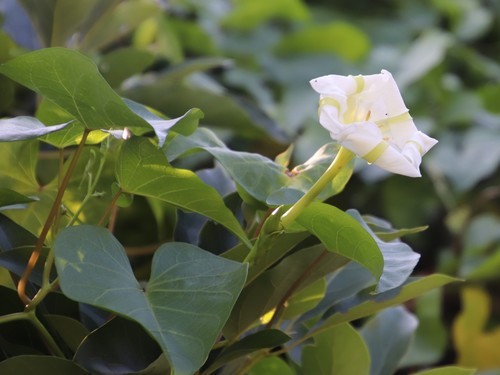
(149, 149)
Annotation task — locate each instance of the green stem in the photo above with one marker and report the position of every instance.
(90, 191)
(31, 317)
(12, 317)
(47, 338)
(343, 157)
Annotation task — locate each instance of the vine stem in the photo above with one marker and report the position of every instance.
(343, 157)
(110, 208)
(21, 287)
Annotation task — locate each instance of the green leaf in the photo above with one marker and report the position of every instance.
(385, 231)
(40, 365)
(340, 38)
(24, 127)
(339, 350)
(118, 22)
(249, 14)
(70, 330)
(41, 13)
(256, 174)
(302, 177)
(120, 345)
(399, 259)
(185, 124)
(431, 337)
(342, 234)
(123, 63)
(266, 339)
(10, 197)
(142, 169)
(72, 81)
(186, 302)
(388, 336)
(291, 275)
(447, 370)
(305, 300)
(373, 303)
(271, 366)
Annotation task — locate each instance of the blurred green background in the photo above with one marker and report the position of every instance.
(247, 64)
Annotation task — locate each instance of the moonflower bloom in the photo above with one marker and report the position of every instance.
(367, 115)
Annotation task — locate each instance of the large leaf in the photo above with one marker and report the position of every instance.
(370, 304)
(121, 346)
(449, 370)
(339, 351)
(40, 365)
(293, 274)
(72, 81)
(186, 302)
(399, 259)
(262, 178)
(142, 169)
(388, 336)
(24, 127)
(256, 174)
(342, 234)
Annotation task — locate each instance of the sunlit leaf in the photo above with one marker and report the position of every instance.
(339, 350)
(72, 81)
(143, 169)
(342, 234)
(271, 366)
(340, 38)
(448, 370)
(93, 268)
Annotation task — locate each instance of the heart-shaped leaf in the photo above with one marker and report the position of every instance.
(186, 302)
(142, 169)
(72, 81)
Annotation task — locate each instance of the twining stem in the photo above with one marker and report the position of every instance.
(343, 157)
(21, 287)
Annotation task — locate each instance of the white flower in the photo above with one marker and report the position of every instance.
(367, 115)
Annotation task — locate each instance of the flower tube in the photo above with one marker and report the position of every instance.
(367, 115)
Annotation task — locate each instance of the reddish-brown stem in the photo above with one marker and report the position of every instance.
(307, 272)
(111, 208)
(21, 287)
